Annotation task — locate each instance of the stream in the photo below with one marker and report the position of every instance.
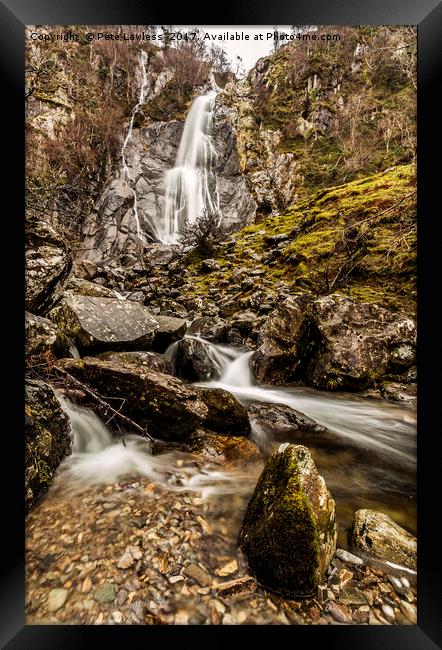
(367, 456)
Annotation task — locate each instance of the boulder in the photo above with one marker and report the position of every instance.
(225, 414)
(87, 288)
(217, 449)
(192, 361)
(396, 392)
(168, 408)
(42, 337)
(289, 530)
(211, 329)
(48, 263)
(143, 360)
(357, 344)
(377, 535)
(170, 329)
(47, 438)
(281, 342)
(210, 265)
(104, 323)
(173, 308)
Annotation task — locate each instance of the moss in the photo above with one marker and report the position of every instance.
(279, 534)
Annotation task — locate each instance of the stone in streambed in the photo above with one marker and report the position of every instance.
(192, 361)
(105, 593)
(217, 449)
(225, 414)
(289, 529)
(377, 535)
(169, 409)
(56, 599)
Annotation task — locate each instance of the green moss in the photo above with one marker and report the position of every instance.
(279, 534)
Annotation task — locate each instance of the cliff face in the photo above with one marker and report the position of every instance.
(314, 115)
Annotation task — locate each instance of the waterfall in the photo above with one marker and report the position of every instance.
(125, 174)
(190, 186)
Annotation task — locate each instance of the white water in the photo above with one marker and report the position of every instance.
(125, 174)
(99, 457)
(190, 186)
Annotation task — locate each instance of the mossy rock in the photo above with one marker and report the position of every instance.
(47, 438)
(289, 530)
(225, 414)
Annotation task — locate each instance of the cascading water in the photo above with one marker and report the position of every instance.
(125, 174)
(190, 186)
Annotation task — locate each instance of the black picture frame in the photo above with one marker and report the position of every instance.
(14, 15)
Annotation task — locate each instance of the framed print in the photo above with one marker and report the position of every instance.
(228, 367)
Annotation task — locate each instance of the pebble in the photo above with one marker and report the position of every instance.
(117, 617)
(105, 593)
(121, 597)
(388, 612)
(198, 574)
(139, 609)
(228, 569)
(345, 556)
(234, 587)
(174, 579)
(339, 613)
(56, 599)
(86, 586)
(126, 561)
(352, 596)
(409, 611)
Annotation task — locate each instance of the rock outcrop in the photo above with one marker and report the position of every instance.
(48, 263)
(47, 438)
(289, 530)
(377, 535)
(42, 337)
(358, 343)
(167, 407)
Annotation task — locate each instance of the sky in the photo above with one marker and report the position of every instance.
(249, 50)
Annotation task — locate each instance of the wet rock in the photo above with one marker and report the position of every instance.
(105, 593)
(42, 337)
(47, 438)
(168, 408)
(56, 599)
(358, 343)
(105, 323)
(48, 263)
(283, 422)
(289, 529)
(225, 414)
(376, 534)
(223, 450)
(404, 393)
(170, 329)
(143, 360)
(281, 343)
(210, 329)
(193, 361)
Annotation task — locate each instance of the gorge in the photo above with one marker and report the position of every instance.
(220, 335)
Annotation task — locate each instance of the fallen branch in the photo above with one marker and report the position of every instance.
(104, 405)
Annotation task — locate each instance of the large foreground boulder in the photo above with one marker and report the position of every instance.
(143, 360)
(289, 530)
(48, 263)
(47, 438)
(104, 323)
(167, 407)
(376, 534)
(281, 343)
(42, 338)
(358, 343)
